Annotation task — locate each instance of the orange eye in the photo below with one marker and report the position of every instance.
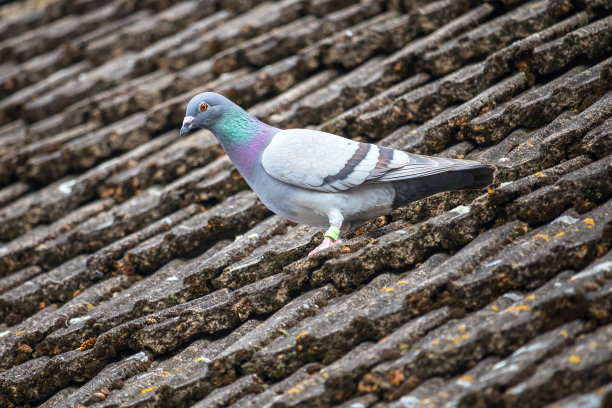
(203, 107)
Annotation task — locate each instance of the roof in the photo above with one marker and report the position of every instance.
(138, 269)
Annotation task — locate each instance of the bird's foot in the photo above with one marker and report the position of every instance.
(327, 243)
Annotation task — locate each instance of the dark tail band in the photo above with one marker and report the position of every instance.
(473, 177)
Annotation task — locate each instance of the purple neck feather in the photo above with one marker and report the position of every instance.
(243, 138)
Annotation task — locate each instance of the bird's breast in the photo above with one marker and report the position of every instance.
(312, 207)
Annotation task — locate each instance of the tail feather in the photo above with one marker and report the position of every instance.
(473, 177)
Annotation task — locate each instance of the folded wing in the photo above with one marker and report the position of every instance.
(325, 162)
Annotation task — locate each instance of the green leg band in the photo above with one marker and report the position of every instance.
(333, 233)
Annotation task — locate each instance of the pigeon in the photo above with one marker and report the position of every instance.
(321, 179)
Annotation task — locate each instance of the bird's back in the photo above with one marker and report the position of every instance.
(325, 162)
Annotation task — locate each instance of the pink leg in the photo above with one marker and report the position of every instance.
(328, 241)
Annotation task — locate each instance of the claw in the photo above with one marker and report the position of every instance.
(327, 242)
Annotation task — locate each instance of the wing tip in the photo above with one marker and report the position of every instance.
(484, 175)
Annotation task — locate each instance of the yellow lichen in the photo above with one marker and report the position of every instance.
(87, 344)
(24, 348)
(148, 389)
(559, 234)
(543, 236)
(518, 308)
(574, 359)
(302, 334)
(396, 378)
(589, 222)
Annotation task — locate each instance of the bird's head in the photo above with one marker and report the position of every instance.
(205, 110)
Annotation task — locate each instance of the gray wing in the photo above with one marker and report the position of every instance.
(326, 162)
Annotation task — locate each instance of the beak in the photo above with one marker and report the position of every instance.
(187, 123)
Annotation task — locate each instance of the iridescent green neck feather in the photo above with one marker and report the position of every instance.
(235, 128)
(243, 138)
